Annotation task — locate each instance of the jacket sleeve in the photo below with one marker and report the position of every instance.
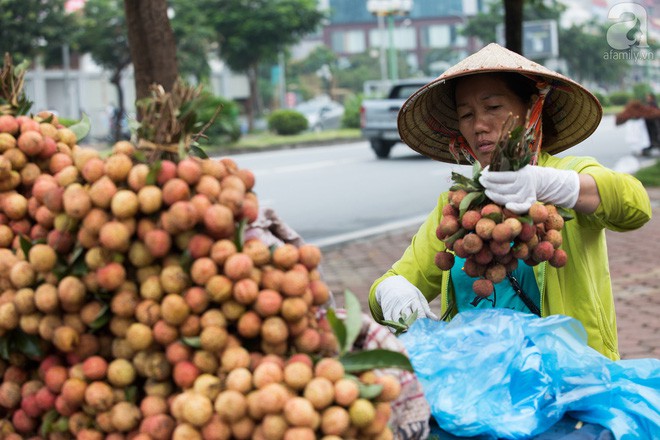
(624, 202)
(417, 264)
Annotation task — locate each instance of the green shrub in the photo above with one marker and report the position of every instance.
(287, 122)
(351, 118)
(602, 98)
(226, 127)
(640, 90)
(619, 98)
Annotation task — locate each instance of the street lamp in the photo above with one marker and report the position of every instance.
(388, 9)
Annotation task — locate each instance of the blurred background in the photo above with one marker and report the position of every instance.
(320, 58)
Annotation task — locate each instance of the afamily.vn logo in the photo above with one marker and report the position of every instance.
(630, 28)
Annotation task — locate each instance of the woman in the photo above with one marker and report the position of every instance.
(459, 117)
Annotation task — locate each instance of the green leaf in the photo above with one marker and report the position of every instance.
(61, 425)
(197, 151)
(370, 391)
(565, 213)
(4, 347)
(353, 321)
(102, 318)
(140, 156)
(131, 393)
(373, 359)
(395, 325)
(182, 148)
(28, 344)
(81, 128)
(26, 244)
(186, 261)
(152, 176)
(240, 234)
(338, 328)
(47, 421)
(458, 234)
(192, 341)
(472, 199)
(476, 171)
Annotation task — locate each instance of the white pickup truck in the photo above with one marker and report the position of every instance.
(378, 116)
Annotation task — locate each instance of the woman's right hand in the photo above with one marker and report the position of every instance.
(397, 297)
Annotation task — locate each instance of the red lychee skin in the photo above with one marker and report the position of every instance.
(559, 258)
(449, 225)
(496, 273)
(459, 250)
(538, 213)
(484, 256)
(473, 269)
(526, 232)
(543, 251)
(482, 287)
(449, 210)
(444, 260)
(484, 228)
(472, 243)
(470, 219)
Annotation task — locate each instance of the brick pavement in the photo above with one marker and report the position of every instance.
(634, 265)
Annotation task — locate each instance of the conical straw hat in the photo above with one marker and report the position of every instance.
(573, 111)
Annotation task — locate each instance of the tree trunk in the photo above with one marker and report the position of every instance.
(252, 99)
(513, 25)
(152, 45)
(118, 114)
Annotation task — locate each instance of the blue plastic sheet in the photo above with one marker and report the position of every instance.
(505, 374)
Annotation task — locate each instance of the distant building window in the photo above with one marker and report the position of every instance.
(404, 38)
(349, 41)
(437, 36)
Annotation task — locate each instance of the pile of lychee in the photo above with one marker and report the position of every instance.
(131, 307)
(492, 239)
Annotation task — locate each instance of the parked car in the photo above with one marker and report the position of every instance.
(322, 113)
(378, 117)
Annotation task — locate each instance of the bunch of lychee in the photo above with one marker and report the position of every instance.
(492, 239)
(126, 284)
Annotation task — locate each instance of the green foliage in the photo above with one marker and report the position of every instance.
(346, 331)
(351, 118)
(255, 31)
(619, 98)
(583, 47)
(226, 127)
(640, 90)
(602, 98)
(29, 27)
(194, 35)
(362, 67)
(104, 35)
(287, 122)
(649, 176)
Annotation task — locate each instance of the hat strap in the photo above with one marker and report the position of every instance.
(534, 123)
(457, 143)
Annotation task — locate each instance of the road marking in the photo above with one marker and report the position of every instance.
(355, 235)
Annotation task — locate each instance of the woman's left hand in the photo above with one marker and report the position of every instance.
(518, 190)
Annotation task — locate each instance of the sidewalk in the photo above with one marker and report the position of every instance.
(634, 265)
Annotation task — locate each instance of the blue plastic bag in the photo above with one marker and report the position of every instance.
(507, 374)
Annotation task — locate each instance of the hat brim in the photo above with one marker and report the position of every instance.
(570, 110)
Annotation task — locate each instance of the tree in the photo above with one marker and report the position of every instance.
(28, 27)
(103, 35)
(513, 23)
(484, 25)
(152, 45)
(194, 36)
(252, 32)
(583, 47)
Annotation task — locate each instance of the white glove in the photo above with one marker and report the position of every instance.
(518, 190)
(396, 295)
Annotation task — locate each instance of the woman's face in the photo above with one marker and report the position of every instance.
(483, 103)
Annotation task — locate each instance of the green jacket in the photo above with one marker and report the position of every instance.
(581, 289)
